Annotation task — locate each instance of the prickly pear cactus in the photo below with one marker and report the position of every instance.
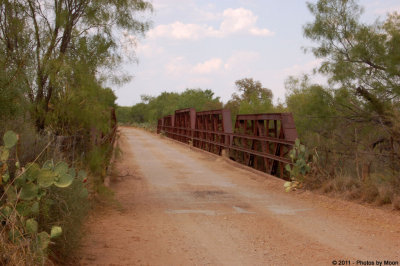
(299, 168)
(21, 200)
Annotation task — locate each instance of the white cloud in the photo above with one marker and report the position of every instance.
(179, 66)
(384, 11)
(216, 73)
(180, 31)
(241, 20)
(209, 66)
(239, 62)
(234, 21)
(261, 32)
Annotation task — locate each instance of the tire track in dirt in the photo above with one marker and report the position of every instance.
(184, 207)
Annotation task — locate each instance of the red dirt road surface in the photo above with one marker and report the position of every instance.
(181, 206)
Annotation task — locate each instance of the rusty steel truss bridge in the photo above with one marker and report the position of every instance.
(261, 141)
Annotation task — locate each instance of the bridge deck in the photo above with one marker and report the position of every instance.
(179, 206)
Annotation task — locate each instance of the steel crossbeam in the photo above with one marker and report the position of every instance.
(184, 124)
(261, 141)
(212, 129)
(270, 128)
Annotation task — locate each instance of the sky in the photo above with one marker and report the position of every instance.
(211, 44)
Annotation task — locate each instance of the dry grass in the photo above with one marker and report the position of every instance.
(374, 189)
(68, 208)
(19, 253)
(386, 195)
(396, 203)
(151, 127)
(369, 193)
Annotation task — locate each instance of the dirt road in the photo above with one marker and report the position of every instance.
(184, 207)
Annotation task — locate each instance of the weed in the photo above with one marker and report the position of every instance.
(97, 160)
(152, 127)
(396, 202)
(69, 209)
(299, 168)
(27, 202)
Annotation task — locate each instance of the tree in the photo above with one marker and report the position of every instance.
(47, 42)
(319, 122)
(14, 57)
(354, 120)
(362, 59)
(157, 107)
(152, 108)
(252, 98)
(199, 99)
(313, 107)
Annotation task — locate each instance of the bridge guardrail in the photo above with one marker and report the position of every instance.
(261, 141)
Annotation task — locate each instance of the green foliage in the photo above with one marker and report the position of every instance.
(153, 108)
(10, 139)
(14, 55)
(361, 62)
(55, 58)
(311, 105)
(253, 98)
(123, 114)
(97, 161)
(66, 207)
(43, 240)
(361, 59)
(198, 99)
(96, 158)
(25, 195)
(351, 121)
(31, 226)
(51, 50)
(56, 231)
(10, 99)
(152, 127)
(82, 109)
(300, 166)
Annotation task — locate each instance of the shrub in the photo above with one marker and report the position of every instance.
(299, 168)
(27, 200)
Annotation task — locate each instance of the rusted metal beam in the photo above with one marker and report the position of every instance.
(275, 134)
(184, 124)
(212, 129)
(261, 141)
(160, 125)
(167, 125)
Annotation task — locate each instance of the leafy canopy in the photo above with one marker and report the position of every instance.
(362, 58)
(152, 108)
(50, 47)
(251, 98)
